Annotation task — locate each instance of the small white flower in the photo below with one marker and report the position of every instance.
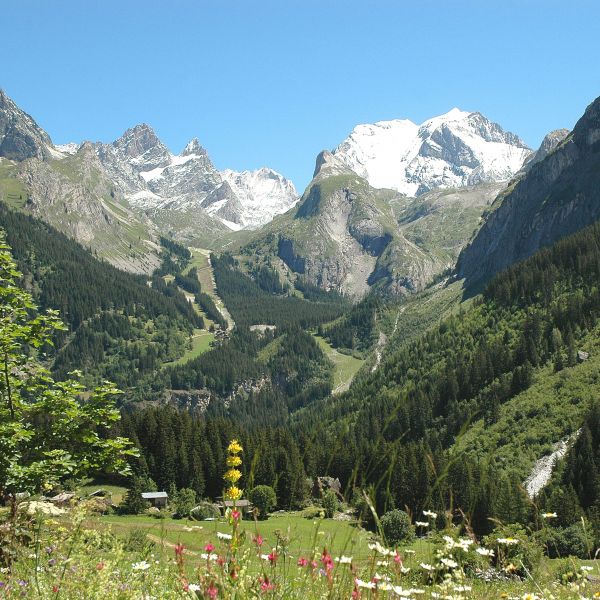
(194, 587)
(448, 562)
(427, 567)
(421, 523)
(586, 568)
(344, 560)
(404, 570)
(382, 563)
(212, 557)
(507, 541)
(140, 566)
(380, 549)
(463, 588)
(409, 551)
(430, 513)
(369, 585)
(549, 515)
(223, 536)
(484, 551)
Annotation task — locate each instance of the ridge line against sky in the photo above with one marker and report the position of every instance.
(271, 83)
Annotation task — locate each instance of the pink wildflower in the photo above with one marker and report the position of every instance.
(258, 540)
(302, 562)
(209, 548)
(212, 592)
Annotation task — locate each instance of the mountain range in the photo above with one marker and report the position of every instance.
(391, 208)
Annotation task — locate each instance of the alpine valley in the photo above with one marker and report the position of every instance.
(419, 330)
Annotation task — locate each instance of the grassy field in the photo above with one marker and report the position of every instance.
(201, 260)
(301, 534)
(345, 369)
(201, 340)
(117, 492)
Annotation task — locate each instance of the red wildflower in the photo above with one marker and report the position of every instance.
(55, 589)
(209, 548)
(212, 592)
(235, 514)
(258, 540)
(327, 561)
(179, 549)
(273, 557)
(302, 562)
(266, 585)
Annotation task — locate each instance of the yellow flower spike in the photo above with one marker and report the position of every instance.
(233, 493)
(234, 447)
(233, 475)
(234, 461)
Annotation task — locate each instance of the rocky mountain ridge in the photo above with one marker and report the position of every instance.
(556, 196)
(153, 179)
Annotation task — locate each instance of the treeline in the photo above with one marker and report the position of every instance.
(423, 395)
(250, 305)
(355, 330)
(181, 450)
(174, 257)
(290, 359)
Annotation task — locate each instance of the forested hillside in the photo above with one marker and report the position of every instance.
(119, 326)
(397, 429)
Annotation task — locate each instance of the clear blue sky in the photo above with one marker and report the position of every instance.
(273, 82)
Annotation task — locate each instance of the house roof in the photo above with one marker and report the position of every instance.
(229, 503)
(154, 495)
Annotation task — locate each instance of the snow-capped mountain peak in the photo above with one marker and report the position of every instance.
(455, 149)
(151, 177)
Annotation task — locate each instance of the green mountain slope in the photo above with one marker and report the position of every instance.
(481, 368)
(119, 327)
(349, 237)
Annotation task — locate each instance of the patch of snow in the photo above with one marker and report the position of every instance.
(231, 224)
(70, 148)
(152, 174)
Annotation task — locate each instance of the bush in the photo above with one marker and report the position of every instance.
(560, 542)
(137, 541)
(330, 503)
(205, 510)
(183, 502)
(313, 512)
(264, 499)
(396, 527)
(525, 553)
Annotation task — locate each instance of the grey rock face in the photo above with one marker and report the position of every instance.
(20, 136)
(550, 142)
(141, 147)
(557, 196)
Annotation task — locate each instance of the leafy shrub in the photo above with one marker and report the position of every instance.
(515, 550)
(205, 510)
(264, 499)
(330, 503)
(137, 541)
(184, 501)
(568, 571)
(561, 542)
(312, 512)
(396, 527)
